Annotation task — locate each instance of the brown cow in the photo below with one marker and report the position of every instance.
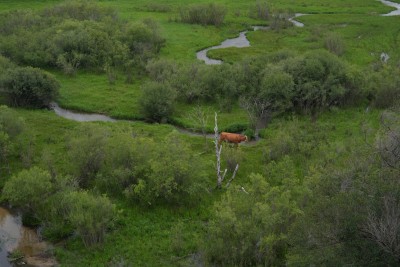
(232, 138)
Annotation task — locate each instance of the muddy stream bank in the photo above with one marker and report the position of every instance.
(16, 237)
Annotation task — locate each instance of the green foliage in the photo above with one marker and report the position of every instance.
(157, 101)
(87, 153)
(250, 225)
(5, 147)
(91, 216)
(165, 172)
(384, 87)
(260, 10)
(295, 139)
(232, 156)
(80, 10)
(161, 70)
(250, 133)
(334, 43)
(5, 64)
(78, 34)
(13, 133)
(29, 189)
(320, 81)
(10, 122)
(30, 87)
(235, 128)
(55, 201)
(340, 225)
(205, 14)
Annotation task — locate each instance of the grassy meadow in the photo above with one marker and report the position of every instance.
(173, 235)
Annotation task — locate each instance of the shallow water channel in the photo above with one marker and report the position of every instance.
(15, 236)
(391, 4)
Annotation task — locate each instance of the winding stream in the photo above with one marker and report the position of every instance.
(82, 117)
(391, 4)
(295, 22)
(238, 42)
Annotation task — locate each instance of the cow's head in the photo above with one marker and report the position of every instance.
(245, 138)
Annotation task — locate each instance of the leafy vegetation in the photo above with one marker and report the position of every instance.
(211, 14)
(319, 192)
(29, 87)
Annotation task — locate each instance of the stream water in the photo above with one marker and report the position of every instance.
(239, 42)
(76, 116)
(295, 22)
(15, 236)
(391, 4)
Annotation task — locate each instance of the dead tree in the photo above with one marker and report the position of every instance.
(218, 150)
(384, 229)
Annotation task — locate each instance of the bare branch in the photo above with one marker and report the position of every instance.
(233, 176)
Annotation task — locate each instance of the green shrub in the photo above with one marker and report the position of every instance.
(86, 152)
(320, 81)
(29, 190)
(334, 43)
(158, 7)
(235, 128)
(10, 123)
(165, 172)
(384, 86)
(77, 35)
(91, 216)
(80, 10)
(260, 10)
(161, 70)
(157, 101)
(250, 133)
(205, 14)
(249, 224)
(30, 87)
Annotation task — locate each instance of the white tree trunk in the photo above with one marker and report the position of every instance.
(233, 176)
(218, 149)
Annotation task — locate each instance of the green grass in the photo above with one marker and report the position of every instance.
(143, 237)
(93, 93)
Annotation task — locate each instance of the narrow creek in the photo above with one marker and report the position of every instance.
(391, 4)
(16, 237)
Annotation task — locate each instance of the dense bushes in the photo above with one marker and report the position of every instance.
(334, 43)
(341, 210)
(77, 35)
(29, 87)
(384, 87)
(60, 205)
(157, 101)
(87, 153)
(165, 172)
(91, 216)
(205, 14)
(249, 225)
(144, 170)
(265, 86)
(13, 136)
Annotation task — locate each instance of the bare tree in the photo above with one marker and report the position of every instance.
(257, 111)
(199, 116)
(218, 150)
(388, 143)
(384, 229)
